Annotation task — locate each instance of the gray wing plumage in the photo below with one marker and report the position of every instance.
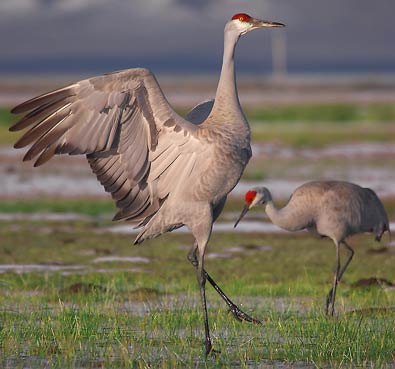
(200, 112)
(134, 141)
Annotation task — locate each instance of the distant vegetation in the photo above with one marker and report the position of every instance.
(6, 119)
(298, 125)
(318, 134)
(84, 206)
(340, 113)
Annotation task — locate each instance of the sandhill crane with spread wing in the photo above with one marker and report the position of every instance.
(333, 209)
(162, 170)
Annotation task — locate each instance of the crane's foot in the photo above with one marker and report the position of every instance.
(209, 349)
(329, 302)
(241, 316)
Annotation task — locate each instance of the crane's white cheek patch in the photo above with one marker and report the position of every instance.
(243, 27)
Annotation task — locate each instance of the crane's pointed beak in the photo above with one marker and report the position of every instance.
(243, 212)
(258, 23)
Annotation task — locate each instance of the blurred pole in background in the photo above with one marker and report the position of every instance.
(279, 55)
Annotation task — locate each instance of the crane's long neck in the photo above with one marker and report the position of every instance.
(226, 98)
(289, 217)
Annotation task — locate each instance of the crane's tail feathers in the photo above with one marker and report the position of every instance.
(141, 237)
(148, 233)
(138, 240)
(385, 228)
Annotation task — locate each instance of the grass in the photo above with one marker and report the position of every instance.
(104, 208)
(298, 125)
(93, 207)
(311, 134)
(151, 317)
(6, 120)
(148, 315)
(66, 336)
(325, 112)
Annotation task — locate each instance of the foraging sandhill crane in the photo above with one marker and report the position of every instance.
(162, 170)
(331, 209)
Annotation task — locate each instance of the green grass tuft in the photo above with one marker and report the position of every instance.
(325, 112)
(148, 315)
(92, 207)
(297, 125)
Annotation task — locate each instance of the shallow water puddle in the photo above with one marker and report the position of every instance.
(381, 180)
(256, 224)
(52, 217)
(244, 227)
(127, 259)
(30, 268)
(61, 178)
(63, 269)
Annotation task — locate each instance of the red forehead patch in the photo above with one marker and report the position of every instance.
(250, 196)
(243, 17)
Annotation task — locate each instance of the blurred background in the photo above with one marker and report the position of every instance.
(185, 36)
(334, 63)
(319, 94)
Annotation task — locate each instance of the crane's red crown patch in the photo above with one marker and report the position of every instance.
(243, 17)
(250, 196)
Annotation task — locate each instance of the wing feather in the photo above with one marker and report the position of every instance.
(166, 183)
(36, 116)
(42, 100)
(128, 199)
(102, 165)
(48, 138)
(162, 165)
(135, 143)
(38, 130)
(46, 155)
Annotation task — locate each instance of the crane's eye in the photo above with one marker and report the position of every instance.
(242, 17)
(250, 196)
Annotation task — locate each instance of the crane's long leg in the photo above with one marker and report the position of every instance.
(239, 314)
(202, 286)
(202, 231)
(330, 299)
(348, 261)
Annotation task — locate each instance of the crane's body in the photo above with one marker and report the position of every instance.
(333, 209)
(205, 188)
(162, 170)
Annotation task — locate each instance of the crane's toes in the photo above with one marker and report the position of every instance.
(210, 350)
(213, 352)
(329, 303)
(329, 312)
(240, 315)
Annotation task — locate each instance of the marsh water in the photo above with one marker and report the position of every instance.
(368, 164)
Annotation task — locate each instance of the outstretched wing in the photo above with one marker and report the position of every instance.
(134, 141)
